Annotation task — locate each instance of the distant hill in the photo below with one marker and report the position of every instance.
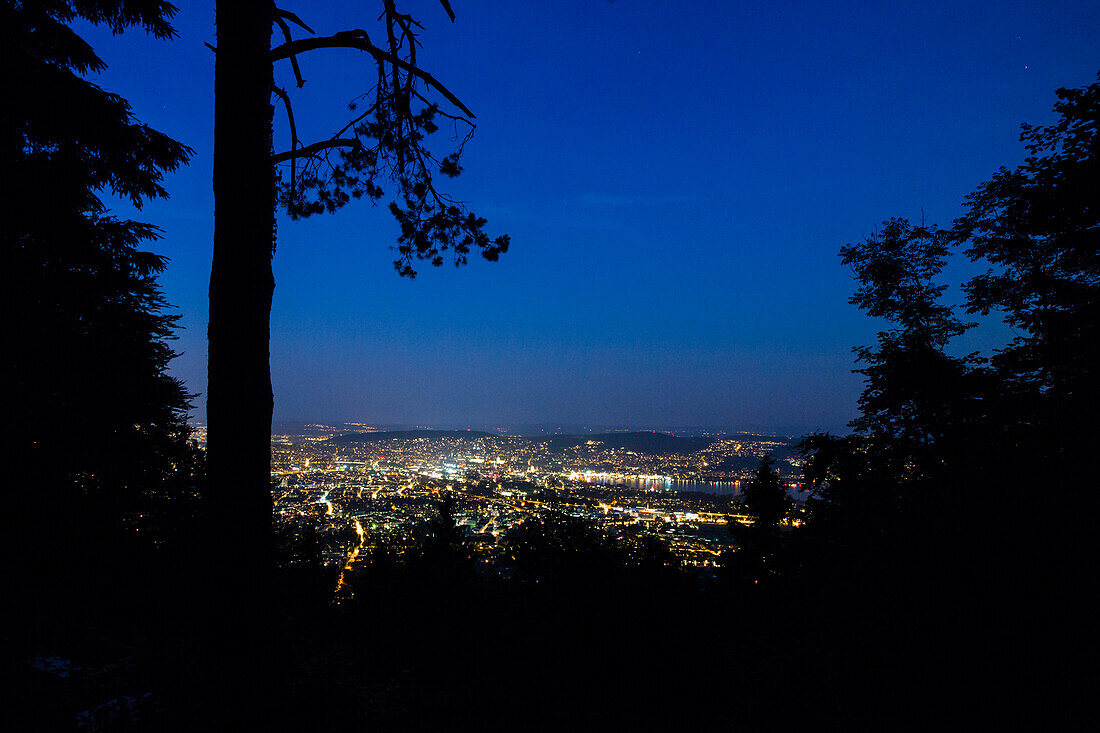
(639, 442)
(407, 435)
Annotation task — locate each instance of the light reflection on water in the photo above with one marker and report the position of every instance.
(719, 488)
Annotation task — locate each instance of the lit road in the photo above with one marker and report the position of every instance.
(341, 582)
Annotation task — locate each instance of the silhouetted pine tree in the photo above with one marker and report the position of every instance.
(95, 425)
(766, 500)
(764, 496)
(99, 467)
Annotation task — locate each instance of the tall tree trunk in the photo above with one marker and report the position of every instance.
(239, 398)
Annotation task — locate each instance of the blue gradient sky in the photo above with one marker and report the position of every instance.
(676, 177)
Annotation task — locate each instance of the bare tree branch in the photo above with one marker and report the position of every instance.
(448, 115)
(310, 150)
(294, 142)
(358, 39)
(395, 48)
(293, 59)
(389, 143)
(280, 13)
(289, 115)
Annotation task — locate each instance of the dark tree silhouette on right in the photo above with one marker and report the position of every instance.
(1039, 228)
(960, 511)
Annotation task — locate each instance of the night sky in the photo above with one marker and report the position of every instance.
(676, 178)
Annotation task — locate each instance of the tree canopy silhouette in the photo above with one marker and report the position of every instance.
(908, 375)
(1038, 229)
(100, 469)
(95, 420)
(952, 501)
(764, 496)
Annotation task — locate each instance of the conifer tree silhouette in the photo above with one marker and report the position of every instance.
(96, 425)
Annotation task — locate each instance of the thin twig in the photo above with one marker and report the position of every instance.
(356, 120)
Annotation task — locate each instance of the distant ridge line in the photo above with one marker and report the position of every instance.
(375, 436)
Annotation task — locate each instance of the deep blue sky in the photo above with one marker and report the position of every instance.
(676, 177)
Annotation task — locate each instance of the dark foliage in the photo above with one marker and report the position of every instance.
(910, 382)
(759, 545)
(950, 507)
(1039, 228)
(388, 143)
(764, 496)
(97, 423)
(101, 472)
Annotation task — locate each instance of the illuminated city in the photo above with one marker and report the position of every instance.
(550, 366)
(359, 488)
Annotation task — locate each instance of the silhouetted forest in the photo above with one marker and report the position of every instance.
(99, 469)
(944, 575)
